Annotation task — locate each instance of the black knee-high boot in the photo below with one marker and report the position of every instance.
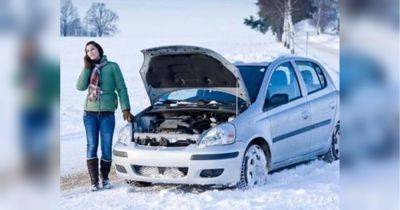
(93, 168)
(105, 167)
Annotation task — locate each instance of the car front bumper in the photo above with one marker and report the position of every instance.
(194, 159)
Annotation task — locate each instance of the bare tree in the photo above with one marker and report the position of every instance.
(76, 28)
(101, 20)
(68, 18)
(281, 16)
(327, 14)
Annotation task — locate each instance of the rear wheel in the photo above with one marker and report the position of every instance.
(254, 167)
(334, 151)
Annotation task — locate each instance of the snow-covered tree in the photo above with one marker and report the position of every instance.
(288, 30)
(256, 24)
(101, 20)
(326, 14)
(280, 16)
(68, 18)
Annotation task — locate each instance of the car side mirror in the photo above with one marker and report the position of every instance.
(276, 100)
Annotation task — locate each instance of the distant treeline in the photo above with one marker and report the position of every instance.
(279, 16)
(98, 22)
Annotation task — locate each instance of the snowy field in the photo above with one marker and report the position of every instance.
(310, 186)
(314, 185)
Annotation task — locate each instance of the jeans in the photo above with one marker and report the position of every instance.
(36, 125)
(95, 123)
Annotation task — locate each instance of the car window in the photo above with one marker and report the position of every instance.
(284, 81)
(312, 75)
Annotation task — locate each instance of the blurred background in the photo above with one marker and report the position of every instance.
(369, 77)
(30, 93)
(30, 85)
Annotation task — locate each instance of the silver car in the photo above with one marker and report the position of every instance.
(214, 123)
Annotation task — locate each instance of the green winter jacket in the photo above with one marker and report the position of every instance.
(111, 81)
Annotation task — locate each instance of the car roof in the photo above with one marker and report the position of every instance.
(260, 66)
(277, 59)
(294, 57)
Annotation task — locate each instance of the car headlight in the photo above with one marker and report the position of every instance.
(219, 135)
(125, 134)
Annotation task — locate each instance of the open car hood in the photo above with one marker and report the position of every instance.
(170, 68)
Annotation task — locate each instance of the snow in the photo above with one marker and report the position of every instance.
(305, 26)
(311, 186)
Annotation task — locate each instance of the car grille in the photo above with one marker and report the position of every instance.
(165, 139)
(160, 172)
(162, 144)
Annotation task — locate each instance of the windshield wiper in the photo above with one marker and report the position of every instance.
(198, 102)
(165, 101)
(174, 103)
(214, 103)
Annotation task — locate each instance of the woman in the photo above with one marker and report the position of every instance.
(103, 79)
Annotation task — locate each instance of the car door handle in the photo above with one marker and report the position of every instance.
(305, 115)
(332, 105)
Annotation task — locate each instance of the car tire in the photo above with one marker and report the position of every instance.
(138, 184)
(254, 168)
(334, 150)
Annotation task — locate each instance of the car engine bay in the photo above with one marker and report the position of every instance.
(176, 128)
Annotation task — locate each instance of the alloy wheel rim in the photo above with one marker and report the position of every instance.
(256, 166)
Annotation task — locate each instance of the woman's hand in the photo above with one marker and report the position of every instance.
(87, 62)
(128, 116)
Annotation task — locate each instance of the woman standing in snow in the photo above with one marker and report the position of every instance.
(103, 79)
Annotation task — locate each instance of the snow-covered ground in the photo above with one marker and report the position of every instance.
(311, 186)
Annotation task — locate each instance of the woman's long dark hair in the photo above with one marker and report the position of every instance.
(99, 48)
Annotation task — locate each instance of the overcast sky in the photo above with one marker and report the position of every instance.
(204, 18)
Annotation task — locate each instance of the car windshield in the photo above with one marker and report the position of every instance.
(253, 77)
(198, 95)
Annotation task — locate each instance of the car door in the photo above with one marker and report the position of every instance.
(288, 121)
(322, 102)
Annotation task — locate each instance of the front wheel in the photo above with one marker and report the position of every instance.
(254, 167)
